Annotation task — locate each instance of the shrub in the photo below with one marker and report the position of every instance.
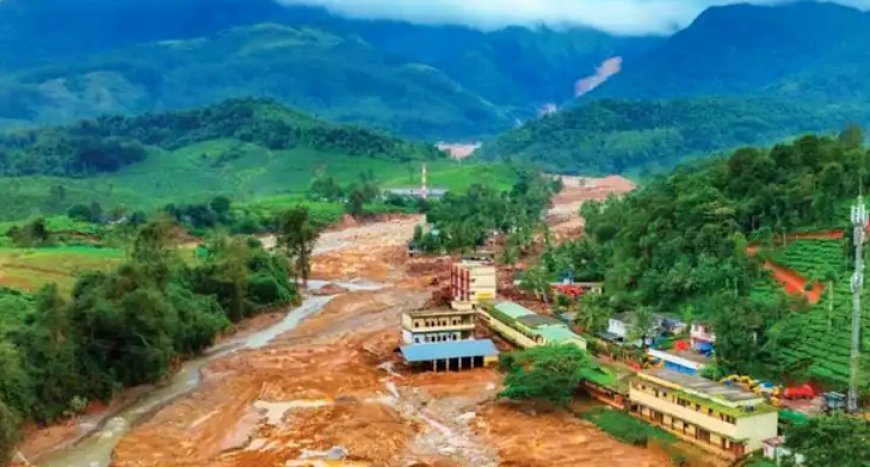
(626, 428)
(10, 432)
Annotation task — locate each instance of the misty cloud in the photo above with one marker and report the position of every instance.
(616, 16)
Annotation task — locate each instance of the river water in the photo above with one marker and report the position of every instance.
(95, 448)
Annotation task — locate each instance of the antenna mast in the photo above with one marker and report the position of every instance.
(859, 223)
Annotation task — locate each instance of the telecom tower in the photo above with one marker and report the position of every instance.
(859, 223)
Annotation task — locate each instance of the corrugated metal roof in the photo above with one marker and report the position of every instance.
(557, 334)
(513, 310)
(452, 349)
(536, 321)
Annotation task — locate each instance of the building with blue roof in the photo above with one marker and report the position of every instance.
(452, 355)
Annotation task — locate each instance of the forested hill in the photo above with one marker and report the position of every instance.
(434, 82)
(679, 245)
(107, 144)
(612, 136)
(801, 50)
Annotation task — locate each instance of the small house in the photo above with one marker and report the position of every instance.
(620, 326)
(702, 337)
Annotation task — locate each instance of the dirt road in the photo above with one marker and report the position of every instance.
(331, 392)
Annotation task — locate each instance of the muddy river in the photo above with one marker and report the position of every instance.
(95, 448)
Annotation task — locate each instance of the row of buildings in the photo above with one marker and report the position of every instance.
(727, 420)
(690, 358)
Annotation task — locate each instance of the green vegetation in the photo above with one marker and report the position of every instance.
(335, 74)
(465, 221)
(30, 269)
(250, 151)
(680, 243)
(818, 260)
(626, 428)
(297, 234)
(816, 343)
(614, 136)
(125, 320)
(547, 374)
(832, 440)
(108, 144)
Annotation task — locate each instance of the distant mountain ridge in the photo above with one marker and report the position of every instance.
(738, 75)
(795, 50)
(428, 82)
(750, 63)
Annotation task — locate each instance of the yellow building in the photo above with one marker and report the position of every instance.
(441, 325)
(728, 421)
(473, 281)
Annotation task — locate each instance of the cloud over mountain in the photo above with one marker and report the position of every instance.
(615, 16)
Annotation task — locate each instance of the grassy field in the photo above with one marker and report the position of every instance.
(28, 269)
(243, 171)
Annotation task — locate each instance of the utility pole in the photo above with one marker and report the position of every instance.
(859, 223)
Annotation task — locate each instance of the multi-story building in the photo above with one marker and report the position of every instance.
(441, 325)
(443, 339)
(473, 280)
(728, 421)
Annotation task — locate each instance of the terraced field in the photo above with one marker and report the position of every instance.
(814, 259)
(819, 341)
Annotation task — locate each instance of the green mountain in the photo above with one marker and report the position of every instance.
(738, 75)
(612, 136)
(343, 78)
(432, 82)
(803, 50)
(254, 151)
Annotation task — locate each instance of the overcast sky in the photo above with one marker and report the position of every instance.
(616, 16)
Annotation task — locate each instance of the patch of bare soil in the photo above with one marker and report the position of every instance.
(371, 250)
(564, 217)
(524, 437)
(333, 391)
(459, 151)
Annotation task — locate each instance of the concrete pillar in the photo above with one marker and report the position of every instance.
(460, 363)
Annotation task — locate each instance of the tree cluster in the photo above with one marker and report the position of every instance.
(606, 136)
(547, 374)
(680, 242)
(465, 221)
(109, 143)
(128, 326)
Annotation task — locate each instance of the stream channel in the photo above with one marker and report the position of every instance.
(94, 448)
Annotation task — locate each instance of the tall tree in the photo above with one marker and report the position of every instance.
(642, 325)
(593, 313)
(297, 234)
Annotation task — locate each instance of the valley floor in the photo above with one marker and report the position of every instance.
(331, 385)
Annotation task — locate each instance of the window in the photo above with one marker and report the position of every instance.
(416, 324)
(710, 412)
(698, 407)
